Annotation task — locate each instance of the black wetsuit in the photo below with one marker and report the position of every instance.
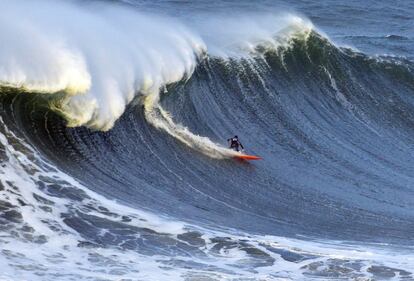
(235, 143)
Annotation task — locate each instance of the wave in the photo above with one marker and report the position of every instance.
(91, 75)
(98, 134)
(105, 58)
(301, 101)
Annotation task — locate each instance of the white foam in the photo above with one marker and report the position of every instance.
(239, 35)
(109, 54)
(102, 55)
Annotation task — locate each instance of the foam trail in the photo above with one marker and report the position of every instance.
(162, 120)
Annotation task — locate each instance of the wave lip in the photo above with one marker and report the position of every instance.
(100, 62)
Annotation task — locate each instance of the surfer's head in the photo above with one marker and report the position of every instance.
(236, 137)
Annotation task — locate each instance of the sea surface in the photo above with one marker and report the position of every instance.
(114, 117)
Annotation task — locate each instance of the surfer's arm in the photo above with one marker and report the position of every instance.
(241, 145)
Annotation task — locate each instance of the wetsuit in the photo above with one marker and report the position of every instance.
(235, 143)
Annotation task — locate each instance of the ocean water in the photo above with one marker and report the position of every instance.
(114, 117)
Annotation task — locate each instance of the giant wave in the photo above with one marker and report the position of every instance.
(94, 120)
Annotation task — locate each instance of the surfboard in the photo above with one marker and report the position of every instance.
(248, 157)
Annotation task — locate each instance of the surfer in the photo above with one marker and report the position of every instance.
(235, 143)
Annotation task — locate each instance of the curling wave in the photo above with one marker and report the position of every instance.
(332, 197)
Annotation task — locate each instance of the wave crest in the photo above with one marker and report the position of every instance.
(111, 54)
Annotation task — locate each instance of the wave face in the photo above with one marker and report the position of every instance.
(146, 189)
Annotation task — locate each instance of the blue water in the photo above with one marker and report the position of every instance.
(114, 120)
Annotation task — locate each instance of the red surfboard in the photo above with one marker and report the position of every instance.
(248, 157)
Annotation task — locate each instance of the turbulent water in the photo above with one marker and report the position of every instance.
(113, 125)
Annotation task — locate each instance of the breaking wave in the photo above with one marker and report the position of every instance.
(114, 163)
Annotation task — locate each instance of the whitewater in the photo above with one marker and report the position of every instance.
(114, 162)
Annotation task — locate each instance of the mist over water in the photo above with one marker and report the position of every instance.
(101, 60)
(113, 156)
(111, 54)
